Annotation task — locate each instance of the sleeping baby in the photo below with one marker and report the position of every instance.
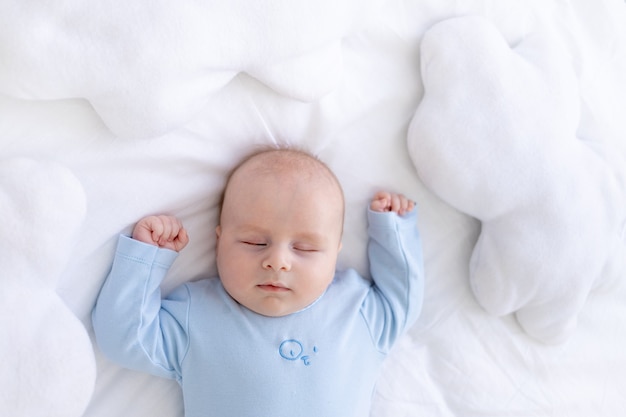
(279, 332)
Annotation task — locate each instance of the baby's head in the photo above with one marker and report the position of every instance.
(280, 231)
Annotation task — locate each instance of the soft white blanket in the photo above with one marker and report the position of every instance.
(148, 67)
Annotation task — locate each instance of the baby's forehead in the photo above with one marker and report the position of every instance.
(282, 161)
(284, 164)
(287, 169)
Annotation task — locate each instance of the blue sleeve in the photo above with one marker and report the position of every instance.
(133, 326)
(397, 268)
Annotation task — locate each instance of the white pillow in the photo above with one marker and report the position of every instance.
(48, 361)
(495, 136)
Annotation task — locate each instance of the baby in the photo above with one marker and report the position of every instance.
(280, 332)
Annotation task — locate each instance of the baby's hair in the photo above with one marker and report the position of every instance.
(298, 158)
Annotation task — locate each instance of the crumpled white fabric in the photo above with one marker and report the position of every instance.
(48, 361)
(150, 66)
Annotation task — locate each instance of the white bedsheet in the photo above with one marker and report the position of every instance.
(458, 360)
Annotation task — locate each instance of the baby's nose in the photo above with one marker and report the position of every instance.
(278, 259)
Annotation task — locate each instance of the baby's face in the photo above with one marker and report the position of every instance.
(278, 241)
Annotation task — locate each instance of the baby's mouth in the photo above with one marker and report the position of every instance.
(273, 287)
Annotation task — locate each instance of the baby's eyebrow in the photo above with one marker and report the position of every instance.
(313, 237)
(250, 228)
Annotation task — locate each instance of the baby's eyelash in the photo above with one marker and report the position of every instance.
(263, 244)
(305, 249)
(253, 243)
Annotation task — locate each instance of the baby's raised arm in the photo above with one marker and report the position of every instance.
(386, 201)
(162, 231)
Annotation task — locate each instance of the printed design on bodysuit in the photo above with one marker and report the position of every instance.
(292, 350)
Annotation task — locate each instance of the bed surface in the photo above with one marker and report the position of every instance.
(95, 134)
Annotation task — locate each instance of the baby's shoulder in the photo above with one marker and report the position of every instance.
(350, 281)
(201, 289)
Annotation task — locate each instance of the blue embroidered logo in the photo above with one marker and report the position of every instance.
(292, 350)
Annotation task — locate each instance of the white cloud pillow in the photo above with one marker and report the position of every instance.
(495, 136)
(48, 361)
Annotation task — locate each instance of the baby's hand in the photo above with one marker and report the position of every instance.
(163, 231)
(386, 201)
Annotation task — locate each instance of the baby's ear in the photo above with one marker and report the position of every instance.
(218, 232)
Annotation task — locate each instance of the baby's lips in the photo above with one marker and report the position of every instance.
(273, 287)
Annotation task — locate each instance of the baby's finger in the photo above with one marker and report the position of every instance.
(383, 198)
(170, 228)
(182, 239)
(176, 228)
(396, 203)
(183, 236)
(405, 204)
(155, 225)
(379, 205)
(380, 201)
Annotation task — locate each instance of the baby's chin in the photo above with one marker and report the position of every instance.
(275, 307)
(273, 311)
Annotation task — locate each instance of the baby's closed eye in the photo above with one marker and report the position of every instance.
(250, 242)
(305, 247)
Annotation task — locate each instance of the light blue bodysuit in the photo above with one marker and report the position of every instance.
(322, 361)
